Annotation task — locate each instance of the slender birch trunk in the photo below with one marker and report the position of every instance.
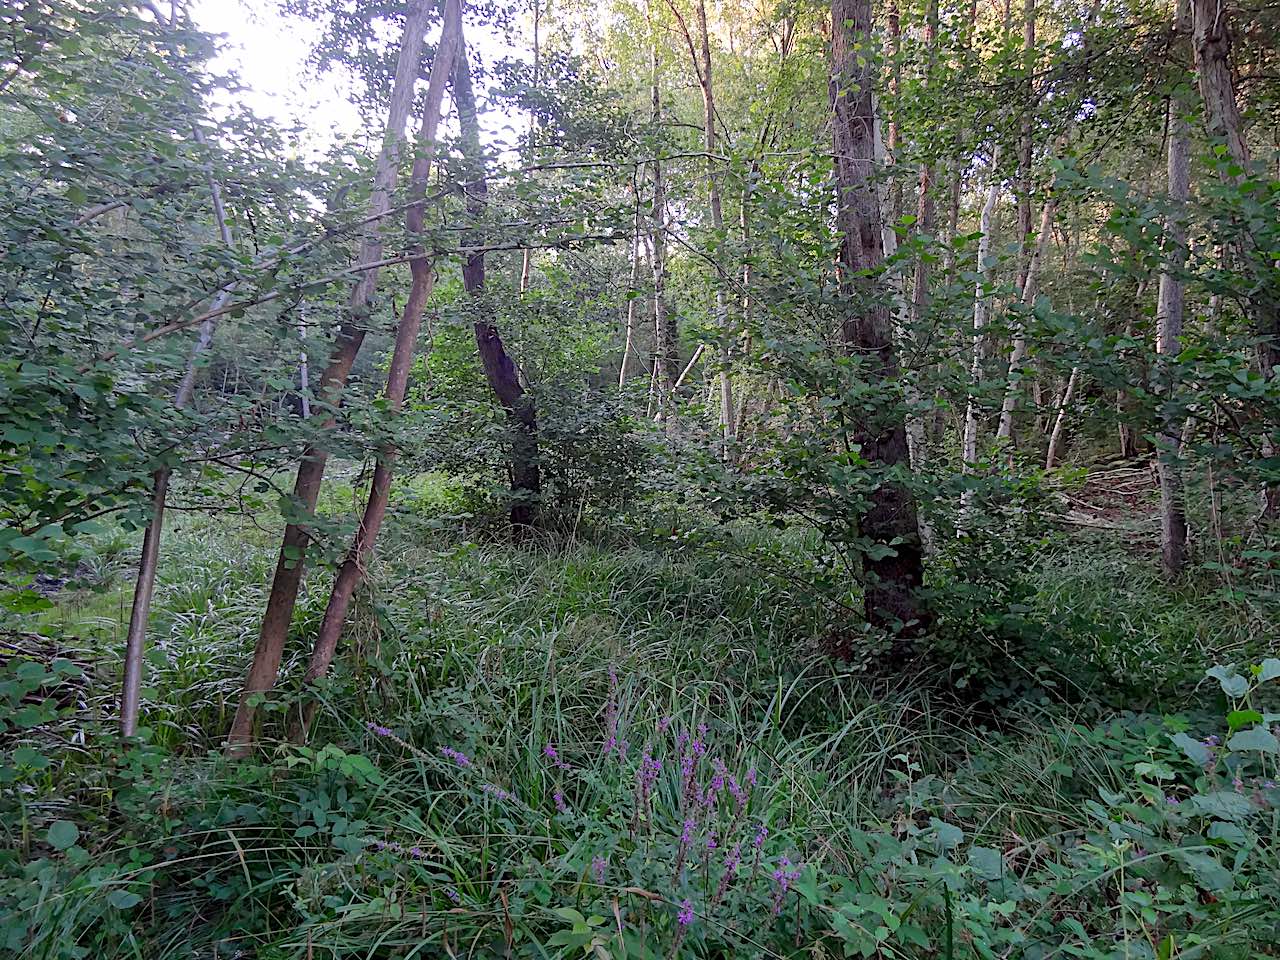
(1019, 354)
(969, 451)
(632, 298)
(717, 224)
(145, 584)
(1169, 312)
(290, 565)
(665, 346)
(1068, 397)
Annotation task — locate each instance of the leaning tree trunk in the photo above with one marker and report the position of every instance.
(352, 571)
(1060, 421)
(499, 369)
(1211, 44)
(1169, 311)
(306, 489)
(895, 567)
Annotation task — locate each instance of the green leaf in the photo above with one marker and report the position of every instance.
(123, 899)
(949, 835)
(1242, 718)
(1259, 738)
(63, 834)
(1233, 685)
(1223, 804)
(1209, 873)
(987, 862)
(1196, 751)
(1269, 669)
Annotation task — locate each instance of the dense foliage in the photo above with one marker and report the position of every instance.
(830, 507)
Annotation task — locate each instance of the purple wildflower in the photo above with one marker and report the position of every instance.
(784, 875)
(663, 724)
(613, 677)
(598, 866)
(686, 913)
(1268, 784)
(561, 807)
(751, 776)
(379, 729)
(1171, 800)
(452, 894)
(498, 792)
(687, 834)
(761, 832)
(681, 739)
(457, 756)
(416, 853)
(733, 860)
(711, 840)
(550, 753)
(1211, 740)
(1237, 783)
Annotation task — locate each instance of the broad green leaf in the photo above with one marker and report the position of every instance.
(63, 834)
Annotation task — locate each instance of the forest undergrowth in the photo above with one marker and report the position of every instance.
(608, 745)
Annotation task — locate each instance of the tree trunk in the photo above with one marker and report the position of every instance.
(894, 578)
(665, 345)
(1025, 142)
(1055, 439)
(499, 369)
(717, 224)
(351, 572)
(145, 584)
(1211, 43)
(306, 489)
(632, 290)
(1169, 311)
(969, 452)
(1019, 354)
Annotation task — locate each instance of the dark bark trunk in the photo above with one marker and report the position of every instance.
(894, 578)
(499, 369)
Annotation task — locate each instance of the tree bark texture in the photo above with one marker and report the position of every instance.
(893, 580)
(278, 616)
(1169, 314)
(352, 571)
(499, 369)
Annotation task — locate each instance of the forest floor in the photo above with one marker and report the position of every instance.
(570, 749)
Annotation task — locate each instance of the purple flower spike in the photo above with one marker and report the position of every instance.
(663, 724)
(687, 834)
(751, 776)
(457, 756)
(452, 894)
(761, 832)
(598, 866)
(686, 913)
(379, 729)
(550, 752)
(561, 806)
(711, 840)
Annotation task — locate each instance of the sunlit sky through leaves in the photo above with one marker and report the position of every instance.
(268, 52)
